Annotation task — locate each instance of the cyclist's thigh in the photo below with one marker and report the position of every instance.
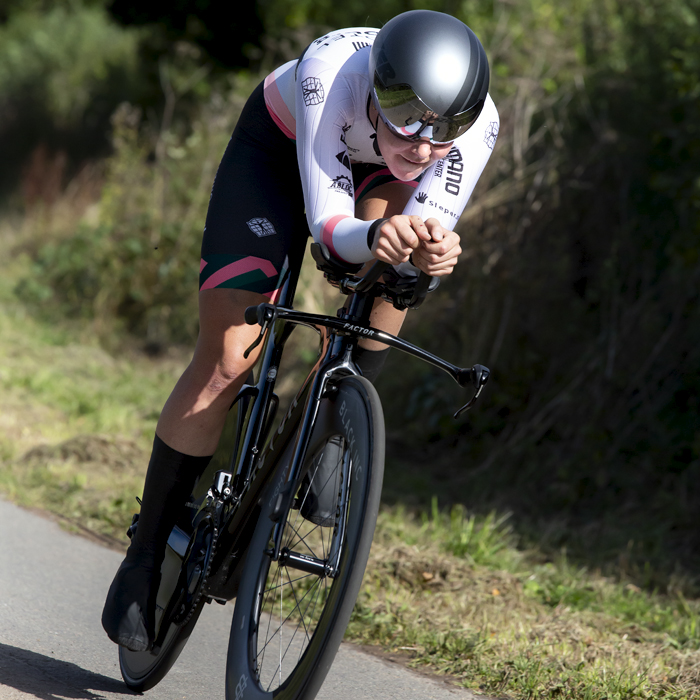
(256, 228)
(255, 233)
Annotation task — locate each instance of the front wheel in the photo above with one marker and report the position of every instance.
(291, 614)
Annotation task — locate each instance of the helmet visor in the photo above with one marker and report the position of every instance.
(407, 116)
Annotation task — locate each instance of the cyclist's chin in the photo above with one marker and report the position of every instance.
(404, 170)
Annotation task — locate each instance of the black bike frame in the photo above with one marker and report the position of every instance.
(259, 453)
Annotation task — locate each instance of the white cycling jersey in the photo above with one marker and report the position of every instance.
(322, 101)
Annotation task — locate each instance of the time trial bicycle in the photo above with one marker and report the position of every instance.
(286, 530)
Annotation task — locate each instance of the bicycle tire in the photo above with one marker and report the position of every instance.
(354, 415)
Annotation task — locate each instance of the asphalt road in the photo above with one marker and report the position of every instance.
(52, 586)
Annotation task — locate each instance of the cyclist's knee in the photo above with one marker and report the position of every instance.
(227, 374)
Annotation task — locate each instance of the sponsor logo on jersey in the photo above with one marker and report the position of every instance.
(313, 91)
(491, 135)
(438, 168)
(344, 159)
(453, 174)
(261, 227)
(341, 184)
(421, 197)
(357, 45)
(339, 36)
(375, 145)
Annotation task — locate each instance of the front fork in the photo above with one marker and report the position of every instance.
(339, 353)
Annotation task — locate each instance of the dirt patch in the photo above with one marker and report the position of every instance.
(112, 453)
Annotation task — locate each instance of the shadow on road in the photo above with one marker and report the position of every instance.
(51, 679)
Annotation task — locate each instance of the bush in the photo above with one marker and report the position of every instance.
(63, 70)
(137, 267)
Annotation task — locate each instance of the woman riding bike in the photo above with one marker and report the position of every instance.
(373, 139)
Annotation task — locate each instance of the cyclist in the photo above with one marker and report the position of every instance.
(373, 139)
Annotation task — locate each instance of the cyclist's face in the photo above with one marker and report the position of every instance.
(408, 159)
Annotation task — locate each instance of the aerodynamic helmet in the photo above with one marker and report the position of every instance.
(429, 74)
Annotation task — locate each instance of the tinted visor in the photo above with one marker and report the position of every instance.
(406, 115)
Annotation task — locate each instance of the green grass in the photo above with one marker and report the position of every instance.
(453, 592)
(446, 590)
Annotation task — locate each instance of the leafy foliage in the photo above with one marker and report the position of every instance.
(581, 290)
(63, 70)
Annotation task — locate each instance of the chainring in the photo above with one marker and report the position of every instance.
(196, 565)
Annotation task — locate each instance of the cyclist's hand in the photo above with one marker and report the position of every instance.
(438, 256)
(398, 237)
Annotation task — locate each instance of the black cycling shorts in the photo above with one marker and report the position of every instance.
(256, 228)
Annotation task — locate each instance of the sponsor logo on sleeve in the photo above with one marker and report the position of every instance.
(346, 127)
(327, 39)
(421, 197)
(344, 159)
(343, 155)
(261, 227)
(375, 145)
(453, 174)
(491, 135)
(341, 184)
(313, 91)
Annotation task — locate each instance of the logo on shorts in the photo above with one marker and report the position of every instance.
(491, 135)
(342, 184)
(261, 227)
(313, 92)
(421, 197)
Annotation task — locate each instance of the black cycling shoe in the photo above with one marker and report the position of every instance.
(128, 616)
(318, 495)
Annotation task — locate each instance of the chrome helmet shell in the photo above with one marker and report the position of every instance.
(429, 75)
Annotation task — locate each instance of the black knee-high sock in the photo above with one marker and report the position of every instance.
(169, 481)
(128, 616)
(370, 361)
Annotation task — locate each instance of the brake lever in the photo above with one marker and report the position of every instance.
(480, 375)
(265, 315)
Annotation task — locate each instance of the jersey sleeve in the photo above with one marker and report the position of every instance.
(447, 185)
(324, 111)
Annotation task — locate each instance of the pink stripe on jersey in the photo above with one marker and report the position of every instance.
(202, 264)
(278, 109)
(240, 267)
(327, 233)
